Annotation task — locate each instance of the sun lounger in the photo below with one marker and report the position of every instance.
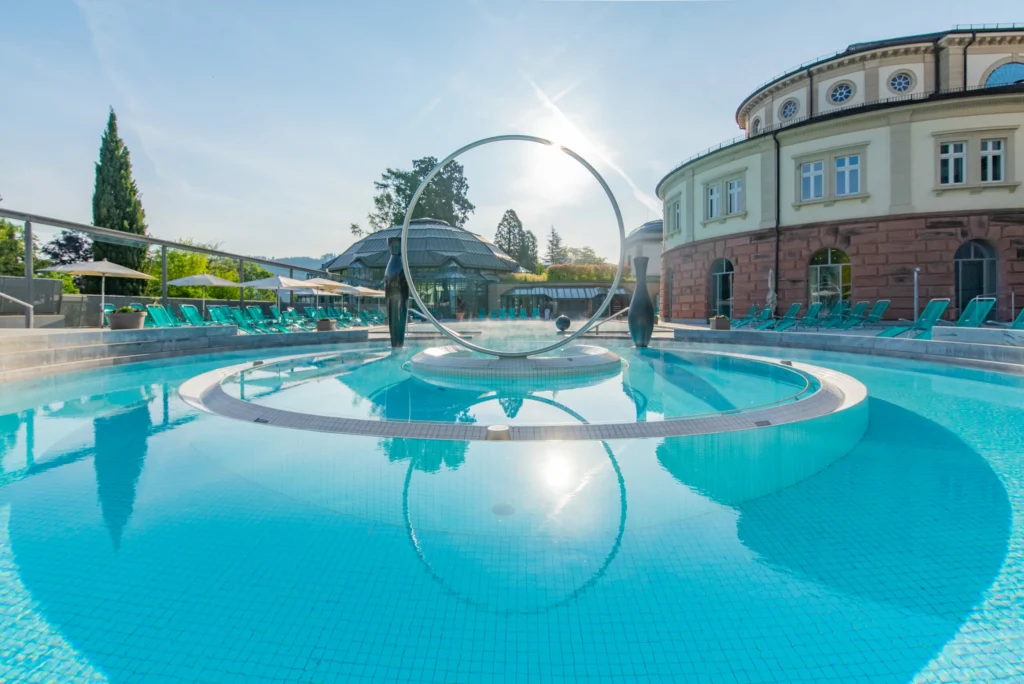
(924, 323)
(809, 319)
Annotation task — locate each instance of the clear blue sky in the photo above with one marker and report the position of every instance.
(262, 125)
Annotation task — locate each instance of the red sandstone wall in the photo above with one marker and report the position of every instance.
(883, 255)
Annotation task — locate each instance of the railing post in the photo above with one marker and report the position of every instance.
(163, 277)
(29, 274)
(917, 271)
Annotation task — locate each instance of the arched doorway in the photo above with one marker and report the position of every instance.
(974, 266)
(830, 276)
(721, 287)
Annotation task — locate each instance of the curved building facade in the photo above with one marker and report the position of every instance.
(451, 266)
(853, 171)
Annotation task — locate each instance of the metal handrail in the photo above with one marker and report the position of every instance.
(146, 241)
(611, 318)
(30, 311)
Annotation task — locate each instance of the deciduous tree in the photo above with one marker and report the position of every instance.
(444, 198)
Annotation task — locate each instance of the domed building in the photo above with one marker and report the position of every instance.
(449, 264)
(855, 172)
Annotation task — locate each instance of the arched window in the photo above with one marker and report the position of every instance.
(721, 288)
(756, 128)
(974, 266)
(1007, 74)
(830, 276)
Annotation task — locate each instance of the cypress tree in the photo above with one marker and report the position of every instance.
(116, 204)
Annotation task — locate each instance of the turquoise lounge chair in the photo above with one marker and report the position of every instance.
(161, 319)
(810, 318)
(242, 322)
(193, 316)
(261, 322)
(746, 320)
(789, 317)
(1018, 323)
(924, 323)
(837, 315)
(522, 314)
(872, 317)
(536, 312)
(857, 313)
(972, 317)
(976, 312)
(764, 317)
(483, 313)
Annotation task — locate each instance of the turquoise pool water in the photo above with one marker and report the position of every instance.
(141, 541)
(652, 384)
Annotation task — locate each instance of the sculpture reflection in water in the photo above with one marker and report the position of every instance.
(643, 381)
(460, 551)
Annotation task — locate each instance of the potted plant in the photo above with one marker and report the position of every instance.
(126, 318)
(720, 323)
(326, 324)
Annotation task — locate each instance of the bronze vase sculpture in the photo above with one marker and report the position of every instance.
(396, 293)
(641, 308)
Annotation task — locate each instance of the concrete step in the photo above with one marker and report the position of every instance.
(29, 340)
(64, 354)
(107, 348)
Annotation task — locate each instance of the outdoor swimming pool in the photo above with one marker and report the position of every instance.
(142, 540)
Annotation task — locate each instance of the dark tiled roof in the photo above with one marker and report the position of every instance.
(432, 244)
(649, 230)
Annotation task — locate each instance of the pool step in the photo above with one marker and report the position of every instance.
(32, 355)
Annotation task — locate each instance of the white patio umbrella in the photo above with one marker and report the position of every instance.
(279, 283)
(331, 287)
(202, 280)
(103, 269)
(276, 283)
(367, 292)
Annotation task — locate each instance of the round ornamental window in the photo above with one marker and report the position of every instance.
(788, 110)
(840, 93)
(901, 82)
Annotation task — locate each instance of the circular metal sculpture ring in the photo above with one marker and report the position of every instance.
(451, 334)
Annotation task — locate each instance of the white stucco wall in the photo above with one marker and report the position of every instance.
(979, 64)
(874, 178)
(886, 72)
(924, 160)
(750, 166)
(885, 195)
(799, 94)
(823, 104)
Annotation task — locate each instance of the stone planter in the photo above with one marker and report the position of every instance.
(127, 321)
(326, 325)
(721, 323)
